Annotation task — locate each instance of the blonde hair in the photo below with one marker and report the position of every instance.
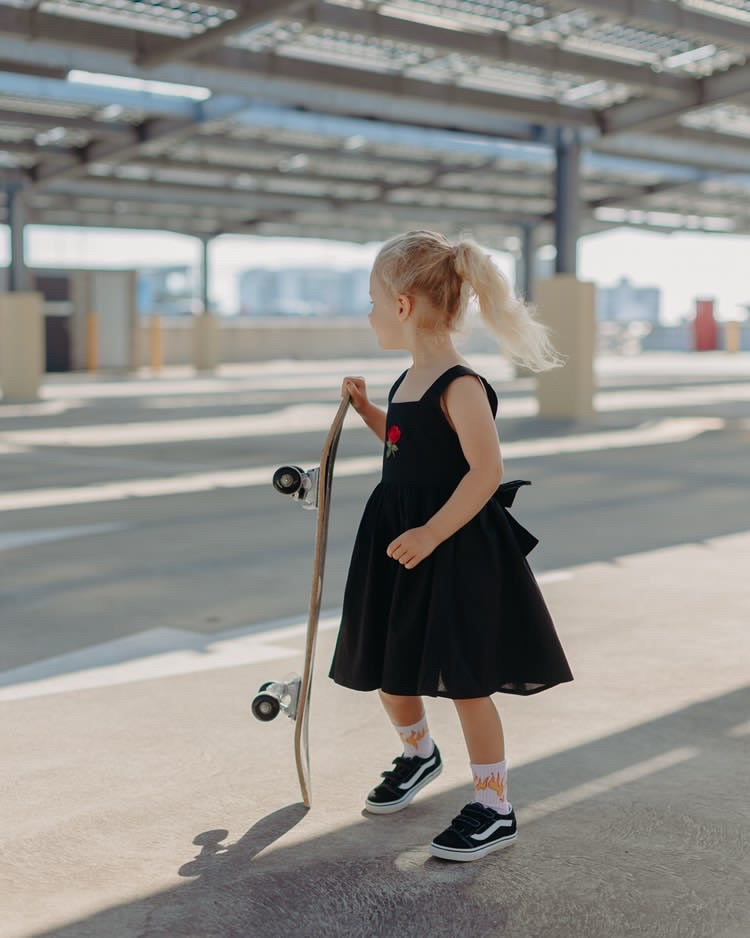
(425, 262)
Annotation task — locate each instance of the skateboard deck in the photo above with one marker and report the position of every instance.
(312, 488)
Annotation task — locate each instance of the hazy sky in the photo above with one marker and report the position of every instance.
(685, 266)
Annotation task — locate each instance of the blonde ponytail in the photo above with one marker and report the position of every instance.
(524, 339)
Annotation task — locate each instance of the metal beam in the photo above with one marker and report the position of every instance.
(290, 79)
(252, 13)
(258, 202)
(682, 152)
(143, 134)
(496, 47)
(41, 122)
(652, 115)
(671, 18)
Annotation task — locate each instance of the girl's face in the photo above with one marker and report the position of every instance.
(388, 315)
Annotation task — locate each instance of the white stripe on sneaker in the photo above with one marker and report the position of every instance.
(491, 830)
(405, 786)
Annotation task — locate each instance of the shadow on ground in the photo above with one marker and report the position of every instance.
(642, 833)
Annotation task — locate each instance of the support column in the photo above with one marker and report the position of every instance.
(528, 257)
(566, 304)
(205, 324)
(21, 314)
(204, 275)
(21, 345)
(567, 201)
(18, 275)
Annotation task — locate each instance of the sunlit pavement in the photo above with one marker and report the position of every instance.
(139, 796)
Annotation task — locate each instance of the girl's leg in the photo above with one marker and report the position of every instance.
(408, 718)
(419, 764)
(482, 728)
(402, 710)
(483, 732)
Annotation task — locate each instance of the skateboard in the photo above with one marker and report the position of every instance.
(312, 489)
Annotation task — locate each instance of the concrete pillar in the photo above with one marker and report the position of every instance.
(21, 345)
(205, 342)
(568, 307)
(104, 320)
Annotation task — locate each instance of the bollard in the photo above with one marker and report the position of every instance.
(92, 342)
(732, 337)
(156, 356)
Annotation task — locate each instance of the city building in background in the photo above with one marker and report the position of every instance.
(168, 291)
(626, 303)
(304, 291)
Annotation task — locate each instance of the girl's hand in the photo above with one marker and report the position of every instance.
(413, 546)
(356, 388)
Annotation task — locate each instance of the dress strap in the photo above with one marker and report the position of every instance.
(448, 377)
(395, 386)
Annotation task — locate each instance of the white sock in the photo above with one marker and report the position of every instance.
(491, 786)
(416, 739)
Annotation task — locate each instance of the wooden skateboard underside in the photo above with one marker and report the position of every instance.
(294, 695)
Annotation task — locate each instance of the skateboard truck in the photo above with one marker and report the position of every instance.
(275, 696)
(299, 484)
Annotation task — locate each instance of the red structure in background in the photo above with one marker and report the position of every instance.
(705, 329)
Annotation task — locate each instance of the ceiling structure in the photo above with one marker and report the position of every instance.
(353, 119)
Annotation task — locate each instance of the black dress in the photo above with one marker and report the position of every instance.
(467, 621)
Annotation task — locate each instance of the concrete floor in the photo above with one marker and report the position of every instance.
(140, 798)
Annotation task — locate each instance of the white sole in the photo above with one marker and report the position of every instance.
(465, 856)
(402, 803)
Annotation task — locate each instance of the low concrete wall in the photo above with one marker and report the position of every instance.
(249, 340)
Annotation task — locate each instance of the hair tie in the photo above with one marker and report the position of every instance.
(454, 251)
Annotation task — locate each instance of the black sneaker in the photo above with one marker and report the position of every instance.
(477, 831)
(401, 783)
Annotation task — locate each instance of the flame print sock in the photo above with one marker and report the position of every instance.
(416, 739)
(491, 786)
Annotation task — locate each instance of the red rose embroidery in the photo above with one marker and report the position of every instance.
(392, 438)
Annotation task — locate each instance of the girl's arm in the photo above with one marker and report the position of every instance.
(468, 411)
(373, 416)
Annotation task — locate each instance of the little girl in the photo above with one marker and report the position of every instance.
(440, 600)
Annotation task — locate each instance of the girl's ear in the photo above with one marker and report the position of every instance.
(405, 306)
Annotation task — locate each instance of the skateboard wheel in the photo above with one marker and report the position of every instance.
(265, 707)
(287, 480)
(264, 686)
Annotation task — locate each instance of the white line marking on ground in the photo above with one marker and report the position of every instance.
(315, 418)
(677, 430)
(599, 786)
(165, 652)
(156, 653)
(38, 408)
(742, 729)
(300, 418)
(14, 539)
